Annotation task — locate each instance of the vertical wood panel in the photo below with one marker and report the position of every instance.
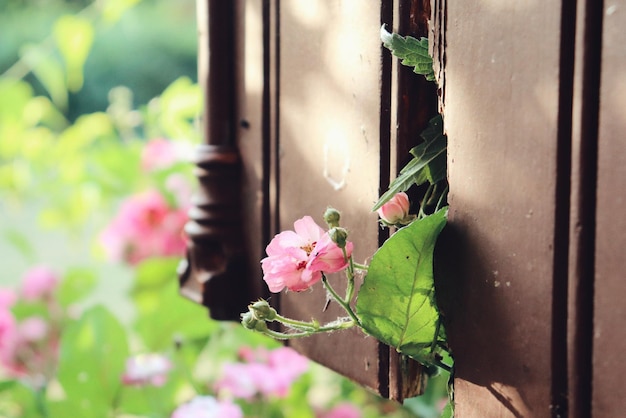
(250, 90)
(609, 342)
(330, 77)
(501, 116)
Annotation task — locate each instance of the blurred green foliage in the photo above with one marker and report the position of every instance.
(143, 45)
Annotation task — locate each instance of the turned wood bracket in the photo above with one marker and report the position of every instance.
(214, 272)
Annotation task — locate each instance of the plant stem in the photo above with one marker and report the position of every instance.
(350, 275)
(441, 198)
(340, 301)
(360, 266)
(427, 196)
(310, 326)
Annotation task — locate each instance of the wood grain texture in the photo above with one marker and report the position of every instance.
(609, 336)
(501, 112)
(330, 78)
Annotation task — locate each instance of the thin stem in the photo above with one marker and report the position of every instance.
(442, 365)
(427, 195)
(297, 324)
(436, 337)
(339, 300)
(40, 396)
(443, 194)
(350, 275)
(360, 266)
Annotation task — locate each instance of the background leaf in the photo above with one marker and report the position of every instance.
(396, 302)
(77, 284)
(428, 163)
(92, 360)
(413, 52)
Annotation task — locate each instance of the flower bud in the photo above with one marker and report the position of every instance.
(339, 236)
(332, 216)
(250, 322)
(396, 210)
(262, 310)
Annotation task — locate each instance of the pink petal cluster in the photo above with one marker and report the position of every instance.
(29, 344)
(146, 370)
(296, 259)
(145, 226)
(396, 210)
(27, 347)
(268, 373)
(161, 153)
(38, 283)
(207, 407)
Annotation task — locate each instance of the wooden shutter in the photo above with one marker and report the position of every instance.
(302, 109)
(530, 92)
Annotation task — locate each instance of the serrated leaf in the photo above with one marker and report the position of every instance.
(413, 52)
(428, 164)
(396, 303)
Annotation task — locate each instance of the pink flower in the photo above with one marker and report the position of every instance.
(243, 381)
(8, 338)
(396, 210)
(328, 257)
(38, 283)
(7, 298)
(145, 227)
(207, 407)
(297, 258)
(26, 347)
(343, 410)
(268, 374)
(146, 369)
(160, 153)
(33, 329)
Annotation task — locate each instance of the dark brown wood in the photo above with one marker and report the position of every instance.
(215, 272)
(330, 151)
(416, 104)
(501, 112)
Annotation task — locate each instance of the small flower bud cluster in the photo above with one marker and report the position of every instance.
(258, 313)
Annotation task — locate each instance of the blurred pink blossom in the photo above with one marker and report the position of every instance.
(146, 369)
(179, 186)
(33, 329)
(343, 410)
(8, 339)
(207, 407)
(144, 227)
(161, 153)
(7, 298)
(268, 373)
(296, 259)
(38, 283)
(26, 347)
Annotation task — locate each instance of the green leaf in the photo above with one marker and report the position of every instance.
(428, 164)
(175, 315)
(77, 284)
(412, 52)
(93, 352)
(396, 302)
(155, 273)
(74, 36)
